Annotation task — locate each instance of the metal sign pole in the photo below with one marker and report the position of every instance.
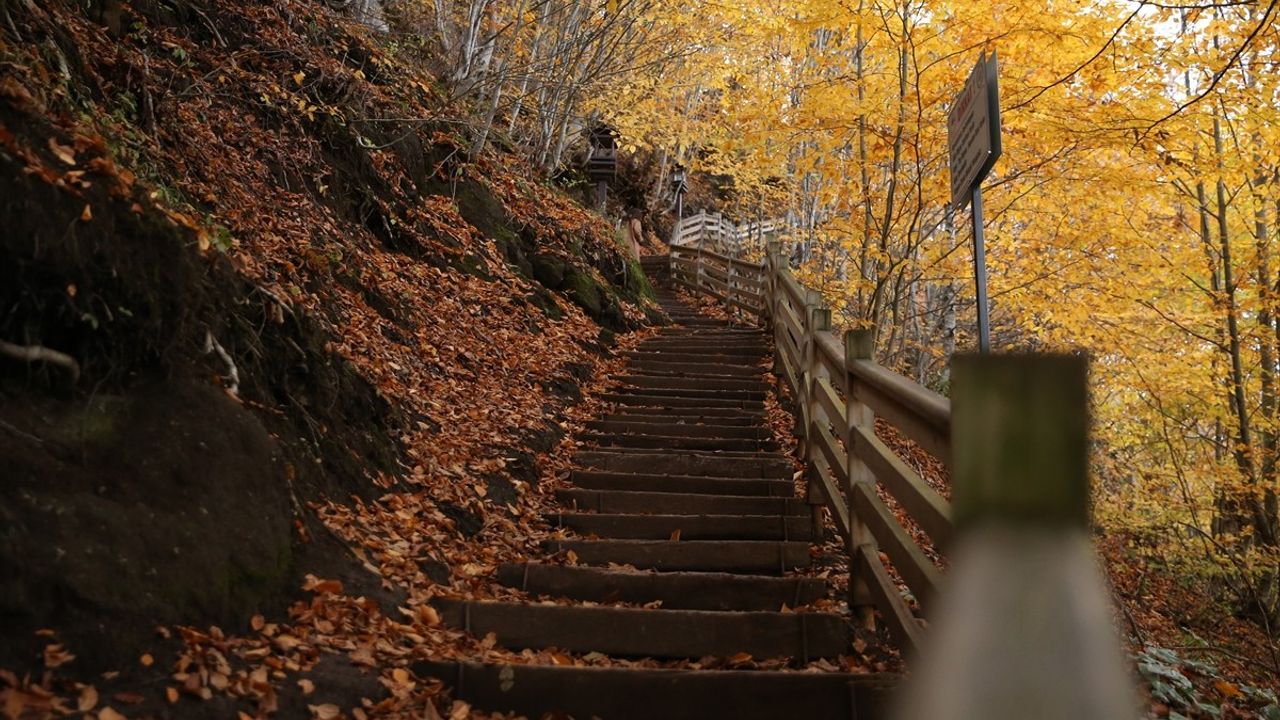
(980, 272)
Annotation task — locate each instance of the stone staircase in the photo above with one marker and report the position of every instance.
(683, 482)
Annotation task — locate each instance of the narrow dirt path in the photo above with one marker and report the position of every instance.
(684, 509)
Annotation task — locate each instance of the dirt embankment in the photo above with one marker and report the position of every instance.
(284, 288)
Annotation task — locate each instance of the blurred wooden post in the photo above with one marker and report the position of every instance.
(859, 346)
(819, 321)
(1019, 439)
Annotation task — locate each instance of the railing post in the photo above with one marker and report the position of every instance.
(819, 320)
(812, 303)
(859, 345)
(771, 296)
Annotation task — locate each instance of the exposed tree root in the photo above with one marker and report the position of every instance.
(39, 353)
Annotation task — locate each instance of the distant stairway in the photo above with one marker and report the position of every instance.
(684, 482)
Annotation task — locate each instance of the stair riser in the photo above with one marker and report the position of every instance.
(772, 558)
(652, 503)
(680, 443)
(668, 401)
(692, 414)
(700, 527)
(588, 480)
(616, 694)
(704, 430)
(701, 358)
(697, 370)
(753, 385)
(624, 632)
(672, 464)
(690, 394)
(673, 420)
(678, 590)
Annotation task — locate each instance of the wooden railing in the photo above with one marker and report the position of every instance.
(839, 391)
(710, 231)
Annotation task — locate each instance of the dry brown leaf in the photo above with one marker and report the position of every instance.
(307, 686)
(459, 711)
(107, 713)
(171, 694)
(128, 698)
(62, 152)
(87, 214)
(327, 711)
(88, 698)
(56, 655)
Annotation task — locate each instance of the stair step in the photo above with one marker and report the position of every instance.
(641, 632)
(752, 350)
(644, 416)
(658, 367)
(694, 394)
(696, 357)
(675, 590)
(689, 527)
(661, 503)
(625, 693)
(685, 429)
(670, 382)
(627, 440)
(667, 401)
(758, 465)
(737, 556)
(711, 415)
(649, 482)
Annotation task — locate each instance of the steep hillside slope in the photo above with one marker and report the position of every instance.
(257, 308)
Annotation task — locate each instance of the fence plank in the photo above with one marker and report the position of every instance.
(917, 571)
(928, 508)
(903, 626)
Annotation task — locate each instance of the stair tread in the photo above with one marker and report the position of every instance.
(644, 632)
(682, 590)
(623, 693)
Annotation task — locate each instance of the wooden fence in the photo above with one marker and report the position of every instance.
(839, 391)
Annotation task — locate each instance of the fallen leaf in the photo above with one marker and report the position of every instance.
(1226, 689)
(307, 686)
(55, 656)
(299, 76)
(107, 713)
(327, 711)
(87, 214)
(171, 694)
(400, 675)
(428, 615)
(88, 698)
(128, 698)
(459, 711)
(147, 660)
(62, 152)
